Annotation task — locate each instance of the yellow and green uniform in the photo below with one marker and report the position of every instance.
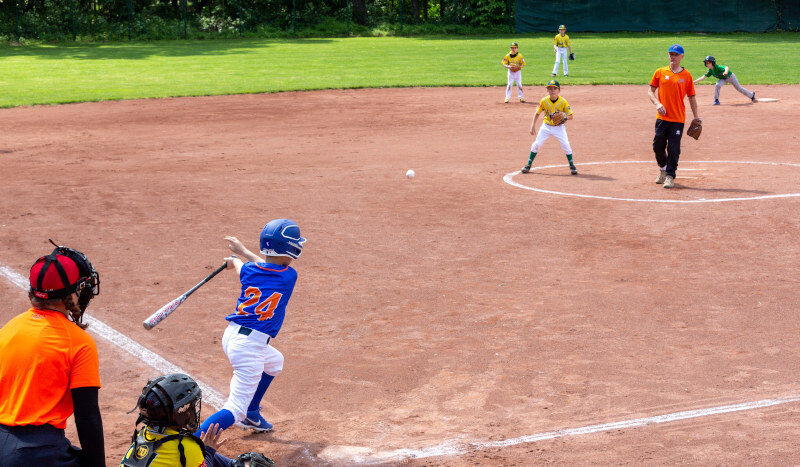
(515, 59)
(548, 108)
(168, 454)
(562, 41)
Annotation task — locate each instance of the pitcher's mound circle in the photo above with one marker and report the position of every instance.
(697, 181)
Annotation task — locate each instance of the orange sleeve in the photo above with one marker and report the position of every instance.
(656, 77)
(85, 371)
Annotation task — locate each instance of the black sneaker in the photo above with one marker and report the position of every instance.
(526, 169)
(573, 170)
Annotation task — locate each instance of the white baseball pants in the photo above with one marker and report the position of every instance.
(562, 55)
(249, 355)
(735, 82)
(514, 76)
(546, 131)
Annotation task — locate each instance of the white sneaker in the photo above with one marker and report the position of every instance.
(669, 182)
(661, 177)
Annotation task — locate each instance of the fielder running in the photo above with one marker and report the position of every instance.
(267, 286)
(556, 112)
(563, 49)
(514, 62)
(724, 76)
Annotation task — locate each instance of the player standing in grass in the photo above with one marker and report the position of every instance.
(556, 112)
(514, 62)
(724, 76)
(672, 83)
(562, 45)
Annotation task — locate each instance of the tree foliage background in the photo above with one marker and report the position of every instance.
(159, 19)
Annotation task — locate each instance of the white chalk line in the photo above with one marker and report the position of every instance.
(509, 178)
(210, 396)
(453, 448)
(447, 448)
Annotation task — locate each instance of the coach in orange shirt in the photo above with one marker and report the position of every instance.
(49, 368)
(673, 83)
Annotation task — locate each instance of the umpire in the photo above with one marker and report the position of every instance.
(49, 369)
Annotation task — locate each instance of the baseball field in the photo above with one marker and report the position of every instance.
(470, 315)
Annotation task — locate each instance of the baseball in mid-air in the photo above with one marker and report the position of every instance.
(410, 174)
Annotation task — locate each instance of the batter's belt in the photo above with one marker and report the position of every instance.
(252, 334)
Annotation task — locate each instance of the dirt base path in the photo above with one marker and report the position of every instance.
(452, 307)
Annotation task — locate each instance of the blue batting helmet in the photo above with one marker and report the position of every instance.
(281, 237)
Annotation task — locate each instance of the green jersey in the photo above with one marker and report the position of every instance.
(717, 71)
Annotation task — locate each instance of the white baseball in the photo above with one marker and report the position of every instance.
(410, 174)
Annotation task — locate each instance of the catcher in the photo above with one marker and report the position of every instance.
(556, 112)
(170, 406)
(514, 62)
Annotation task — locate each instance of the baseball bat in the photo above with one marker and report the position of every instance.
(167, 309)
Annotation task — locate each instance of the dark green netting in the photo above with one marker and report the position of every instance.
(656, 15)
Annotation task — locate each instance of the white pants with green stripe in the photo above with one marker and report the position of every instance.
(735, 82)
(514, 76)
(558, 132)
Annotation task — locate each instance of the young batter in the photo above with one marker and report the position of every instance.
(724, 76)
(514, 60)
(563, 48)
(267, 286)
(548, 106)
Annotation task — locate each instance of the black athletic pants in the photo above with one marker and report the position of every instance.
(36, 445)
(667, 145)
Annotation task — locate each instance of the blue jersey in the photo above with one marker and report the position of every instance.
(266, 289)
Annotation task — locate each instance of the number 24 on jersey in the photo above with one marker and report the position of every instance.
(265, 309)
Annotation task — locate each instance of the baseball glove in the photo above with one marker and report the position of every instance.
(558, 118)
(695, 128)
(256, 460)
(514, 68)
(572, 56)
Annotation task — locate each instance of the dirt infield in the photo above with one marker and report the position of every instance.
(455, 307)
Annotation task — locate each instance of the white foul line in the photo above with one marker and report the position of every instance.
(453, 448)
(210, 396)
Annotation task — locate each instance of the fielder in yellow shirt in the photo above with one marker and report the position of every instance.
(563, 49)
(514, 61)
(548, 106)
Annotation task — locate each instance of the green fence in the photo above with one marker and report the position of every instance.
(657, 15)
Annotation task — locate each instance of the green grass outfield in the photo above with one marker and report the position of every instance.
(49, 74)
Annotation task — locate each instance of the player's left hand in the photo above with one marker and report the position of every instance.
(236, 246)
(213, 437)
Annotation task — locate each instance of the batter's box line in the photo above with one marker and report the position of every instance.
(509, 178)
(454, 448)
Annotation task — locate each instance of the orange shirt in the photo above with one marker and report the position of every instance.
(672, 88)
(43, 355)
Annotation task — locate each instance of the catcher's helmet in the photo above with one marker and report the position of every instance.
(63, 272)
(281, 237)
(172, 400)
(711, 59)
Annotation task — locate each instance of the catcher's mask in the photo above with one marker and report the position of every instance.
(63, 272)
(172, 400)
